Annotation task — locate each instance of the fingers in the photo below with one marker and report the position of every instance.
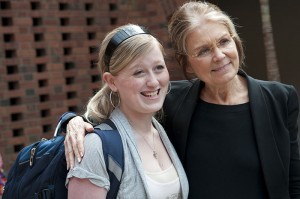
(71, 144)
(80, 138)
(74, 141)
(69, 152)
(74, 129)
(79, 146)
(88, 127)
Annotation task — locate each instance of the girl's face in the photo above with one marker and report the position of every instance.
(143, 84)
(212, 54)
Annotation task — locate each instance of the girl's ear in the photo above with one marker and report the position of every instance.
(110, 80)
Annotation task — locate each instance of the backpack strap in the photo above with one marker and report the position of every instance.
(113, 154)
(63, 121)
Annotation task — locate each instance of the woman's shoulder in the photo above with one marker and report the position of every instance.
(267, 84)
(180, 87)
(182, 84)
(274, 90)
(275, 86)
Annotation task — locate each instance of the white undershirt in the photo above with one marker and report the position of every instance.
(164, 184)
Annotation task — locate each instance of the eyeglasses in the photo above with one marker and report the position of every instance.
(223, 44)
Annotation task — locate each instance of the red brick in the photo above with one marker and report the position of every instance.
(26, 60)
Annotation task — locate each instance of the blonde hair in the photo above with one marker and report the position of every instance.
(100, 105)
(190, 16)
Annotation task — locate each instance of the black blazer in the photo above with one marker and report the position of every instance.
(274, 109)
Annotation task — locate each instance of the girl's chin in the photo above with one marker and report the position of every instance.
(153, 109)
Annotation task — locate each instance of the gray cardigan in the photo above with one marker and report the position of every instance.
(133, 183)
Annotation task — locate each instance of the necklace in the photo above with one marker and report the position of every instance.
(154, 153)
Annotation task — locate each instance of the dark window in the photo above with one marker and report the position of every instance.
(38, 37)
(5, 5)
(43, 83)
(8, 38)
(37, 21)
(7, 21)
(95, 78)
(113, 21)
(93, 64)
(70, 80)
(91, 35)
(47, 128)
(41, 68)
(45, 113)
(93, 49)
(90, 21)
(15, 101)
(64, 21)
(18, 147)
(35, 5)
(67, 51)
(44, 98)
(12, 69)
(13, 85)
(71, 95)
(113, 7)
(40, 52)
(10, 53)
(73, 108)
(16, 117)
(69, 65)
(66, 36)
(63, 6)
(88, 6)
(18, 132)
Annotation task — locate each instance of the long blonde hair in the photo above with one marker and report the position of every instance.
(100, 105)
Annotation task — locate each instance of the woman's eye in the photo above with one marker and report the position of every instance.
(224, 42)
(137, 73)
(203, 51)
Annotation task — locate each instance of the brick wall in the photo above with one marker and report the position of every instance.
(47, 55)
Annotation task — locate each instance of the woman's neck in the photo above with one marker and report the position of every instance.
(234, 92)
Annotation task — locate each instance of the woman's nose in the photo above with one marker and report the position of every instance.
(218, 54)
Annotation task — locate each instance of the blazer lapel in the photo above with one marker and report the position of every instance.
(272, 167)
(183, 117)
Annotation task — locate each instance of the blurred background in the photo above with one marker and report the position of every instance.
(48, 54)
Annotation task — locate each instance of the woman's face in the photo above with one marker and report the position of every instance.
(143, 84)
(212, 54)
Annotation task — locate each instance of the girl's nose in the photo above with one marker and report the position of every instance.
(152, 80)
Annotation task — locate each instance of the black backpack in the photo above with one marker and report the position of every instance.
(39, 172)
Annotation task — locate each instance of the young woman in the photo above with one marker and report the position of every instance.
(136, 82)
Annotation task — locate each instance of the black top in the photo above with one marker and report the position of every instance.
(221, 158)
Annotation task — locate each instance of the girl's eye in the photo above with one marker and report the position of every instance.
(159, 68)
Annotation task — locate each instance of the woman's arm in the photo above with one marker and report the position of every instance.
(76, 129)
(294, 181)
(83, 188)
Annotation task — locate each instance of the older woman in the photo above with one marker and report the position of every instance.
(236, 136)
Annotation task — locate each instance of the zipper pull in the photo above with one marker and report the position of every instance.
(32, 152)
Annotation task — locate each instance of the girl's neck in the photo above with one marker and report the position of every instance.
(141, 123)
